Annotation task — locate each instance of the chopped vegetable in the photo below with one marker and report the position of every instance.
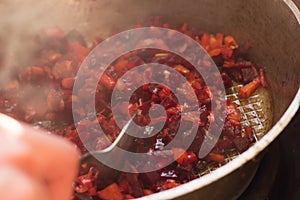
(111, 192)
(216, 157)
(249, 88)
(262, 78)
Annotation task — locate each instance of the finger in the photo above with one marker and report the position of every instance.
(17, 185)
(47, 157)
(58, 160)
(13, 149)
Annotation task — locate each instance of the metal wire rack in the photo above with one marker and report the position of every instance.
(254, 113)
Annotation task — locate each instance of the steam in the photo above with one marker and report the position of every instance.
(21, 20)
(16, 35)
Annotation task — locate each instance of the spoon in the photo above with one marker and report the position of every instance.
(107, 173)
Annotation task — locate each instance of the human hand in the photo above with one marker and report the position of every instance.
(34, 165)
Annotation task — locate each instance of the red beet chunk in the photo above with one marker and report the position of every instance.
(241, 143)
(248, 74)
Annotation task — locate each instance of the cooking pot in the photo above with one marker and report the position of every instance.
(271, 27)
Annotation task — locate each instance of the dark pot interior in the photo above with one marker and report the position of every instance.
(269, 26)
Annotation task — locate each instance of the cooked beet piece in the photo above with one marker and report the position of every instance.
(226, 79)
(149, 179)
(75, 36)
(234, 74)
(241, 143)
(82, 196)
(249, 88)
(134, 186)
(248, 74)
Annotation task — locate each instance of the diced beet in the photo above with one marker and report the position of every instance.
(262, 78)
(230, 130)
(25, 75)
(82, 196)
(185, 173)
(227, 80)
(248, 74)
(230, 42)
(198, 140)
(108, 81)
(248, 131)
(241, 143)
(75, 36)
(215, 157)
(149, 179)
(67, 83)
(242, 51)
(249, 88)
(181, 69)
(234, 74)
(218, 60)
(62, 69)
(224, 143)
(55, 101)
(170, 183)
(147, 192)
(54, 33)
(134, 186)
(53, 38)
(111, 192)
